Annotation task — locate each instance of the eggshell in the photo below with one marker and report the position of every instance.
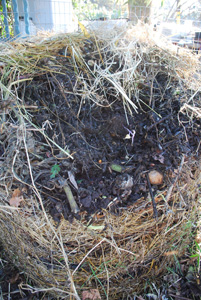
(155, 177)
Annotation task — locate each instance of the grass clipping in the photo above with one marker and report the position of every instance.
(117, 254)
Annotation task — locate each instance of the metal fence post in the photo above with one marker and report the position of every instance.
(5, 14)
(26, 16)
(16, 18)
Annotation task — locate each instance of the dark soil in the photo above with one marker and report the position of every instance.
(98, 136)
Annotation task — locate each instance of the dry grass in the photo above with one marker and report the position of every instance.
(118, 254)
(73, 255)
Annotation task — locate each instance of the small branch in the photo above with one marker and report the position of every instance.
(152, 198)
(169, 192)
(158, 122)
(73, 205)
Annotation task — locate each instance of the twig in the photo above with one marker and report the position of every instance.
(158, 122)
(152, 198)
(73, 205)
(169, 192)
(107, 273)
(80, 263)
(179, 297)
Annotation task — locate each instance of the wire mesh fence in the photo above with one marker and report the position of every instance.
(27, 17)
(20, 18)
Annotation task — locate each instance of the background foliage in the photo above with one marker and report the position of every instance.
(10, 19)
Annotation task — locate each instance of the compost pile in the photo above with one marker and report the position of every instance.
(85, 120)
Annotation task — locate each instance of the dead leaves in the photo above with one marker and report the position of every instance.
(17, 198)
(92, 294)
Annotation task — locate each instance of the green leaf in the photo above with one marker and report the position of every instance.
(116, 168)
(194, 255)
(197, 245)
(55, 171)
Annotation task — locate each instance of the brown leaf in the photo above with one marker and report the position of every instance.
(72, 179)
(91, 295)
(16, 198)
(16, 193)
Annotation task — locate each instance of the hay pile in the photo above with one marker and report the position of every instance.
(116, 251)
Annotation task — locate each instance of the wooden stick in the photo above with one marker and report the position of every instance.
(152, 198)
